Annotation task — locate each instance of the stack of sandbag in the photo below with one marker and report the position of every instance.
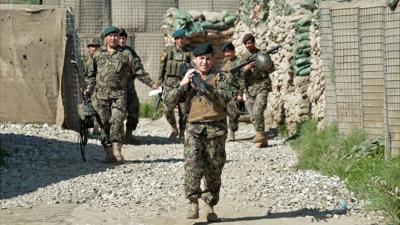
(289, 101)
(302, 60)
(213, 27)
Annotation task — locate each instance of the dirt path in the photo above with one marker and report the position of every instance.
(259, 186)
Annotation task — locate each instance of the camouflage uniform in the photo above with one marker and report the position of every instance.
(204, 146)
(256, 86)
(108, 78)
(170, 76)
(133, 100)
(233, 81)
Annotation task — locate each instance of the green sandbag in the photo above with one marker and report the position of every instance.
(304, 44)
(306, 50)
(303, 36)
(308, 4)
(302, 61)
(304, 72)
(306, 22)
(392, 3)
(214, 26)
(297, 69)
(230, 20)
(302, 55)
(301, 30)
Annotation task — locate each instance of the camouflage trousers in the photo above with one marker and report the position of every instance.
(112, 114)
(204, 153)
(133, 110)
(233, 116)
(256, 106)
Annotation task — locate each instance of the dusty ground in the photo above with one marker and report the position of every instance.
(246, 197)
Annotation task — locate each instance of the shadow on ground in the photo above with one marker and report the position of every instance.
(316, 214)
(36, 162)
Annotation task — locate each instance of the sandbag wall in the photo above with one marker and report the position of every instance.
(276, 23)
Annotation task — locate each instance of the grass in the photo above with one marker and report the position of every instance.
(358, 161)
(148, 110)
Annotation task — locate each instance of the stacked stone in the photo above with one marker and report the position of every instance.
(316, 90)
(293, 98)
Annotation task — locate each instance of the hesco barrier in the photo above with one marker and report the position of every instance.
(361, 54)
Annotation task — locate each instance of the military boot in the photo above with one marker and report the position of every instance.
(231, 135)
(174, 133)
(109, 155)
(211, 215)
(260, 136)
(261, 140)
(193, 210)
(116, 151)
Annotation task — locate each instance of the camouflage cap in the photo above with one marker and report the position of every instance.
(228, 47)
(202, 49)
(109, 30)
(247, 37)
(93, 42)
(179, 33)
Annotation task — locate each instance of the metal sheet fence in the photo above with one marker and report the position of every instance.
(361, 61)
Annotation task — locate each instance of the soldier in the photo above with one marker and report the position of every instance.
(92, 46)
(107, 81)
(133, 100)
(257, 85)
(171, 60)
(204, 146)
(228, 62)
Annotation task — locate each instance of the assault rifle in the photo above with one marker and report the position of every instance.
(236, 69)
(201, 86)
(86, 114)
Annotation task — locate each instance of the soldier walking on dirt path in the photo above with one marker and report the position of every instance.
(257, 85)
(107, 85)
(204, 146)
(133, 100)
(171, 61)
(228, 62)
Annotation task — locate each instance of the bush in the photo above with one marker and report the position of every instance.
(358, 161)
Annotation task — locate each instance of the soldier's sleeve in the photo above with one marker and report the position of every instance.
(91, 74)
(163, 63)
(139, 72)
(175, 94)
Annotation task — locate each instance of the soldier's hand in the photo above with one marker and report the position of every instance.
(188, 77)
(249, 66)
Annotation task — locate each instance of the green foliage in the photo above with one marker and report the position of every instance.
(3, 155)
(358, 161)
(147, 110)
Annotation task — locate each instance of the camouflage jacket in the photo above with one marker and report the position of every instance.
(220, 94)
(109, 73)
(139, 72)
(255, 81)
(233, 80)
(166, 57)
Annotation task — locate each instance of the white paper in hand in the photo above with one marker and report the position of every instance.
(155, 92)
